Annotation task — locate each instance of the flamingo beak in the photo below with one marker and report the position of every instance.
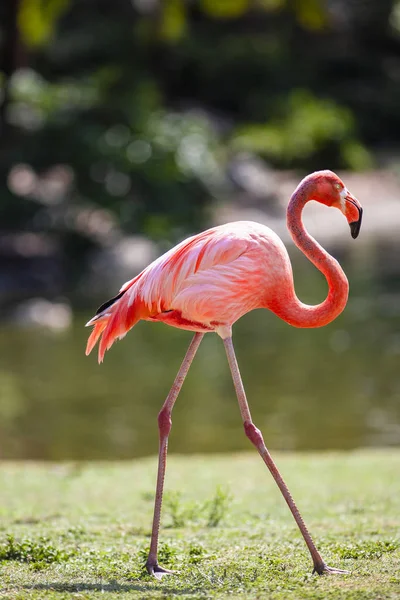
(354, 214)
(355, 226)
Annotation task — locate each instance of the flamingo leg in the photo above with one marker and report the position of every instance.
(257, 440)
(164, 427)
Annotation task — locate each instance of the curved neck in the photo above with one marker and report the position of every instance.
(295, 312)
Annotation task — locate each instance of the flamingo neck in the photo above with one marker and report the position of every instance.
(294, 311)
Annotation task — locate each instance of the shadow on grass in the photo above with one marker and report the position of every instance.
(106, 587)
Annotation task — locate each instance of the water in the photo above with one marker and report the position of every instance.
(332, 388)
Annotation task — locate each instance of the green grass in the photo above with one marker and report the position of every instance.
(82, 531)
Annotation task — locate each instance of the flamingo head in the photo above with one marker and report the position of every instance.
(330, 190)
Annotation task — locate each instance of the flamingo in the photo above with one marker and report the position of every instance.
(206, 283)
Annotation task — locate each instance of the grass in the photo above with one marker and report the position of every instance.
(82, 531)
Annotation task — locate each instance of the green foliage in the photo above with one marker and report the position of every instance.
(307, 125)
(225, 9)
(311, 14)
(196, 553)
(217, 507)
(166, 555)
(38, 554)
(37, 19)
(210, 513)
(368, 550)
(173, 21)
(178, 513)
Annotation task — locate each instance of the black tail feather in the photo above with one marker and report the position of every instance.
(109, 303)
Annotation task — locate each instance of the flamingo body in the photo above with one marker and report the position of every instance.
(206, 283)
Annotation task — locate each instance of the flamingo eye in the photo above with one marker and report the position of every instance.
(338, 187)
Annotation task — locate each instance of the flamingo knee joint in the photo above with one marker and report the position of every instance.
(164, 422)
(254, 434)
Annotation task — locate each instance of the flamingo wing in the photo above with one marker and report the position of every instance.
(198, 260)
(184, 279)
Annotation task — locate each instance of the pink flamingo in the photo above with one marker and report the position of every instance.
(208, 282)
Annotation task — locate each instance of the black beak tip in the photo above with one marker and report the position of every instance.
(355, 226)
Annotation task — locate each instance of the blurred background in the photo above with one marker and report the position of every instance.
(128, 125)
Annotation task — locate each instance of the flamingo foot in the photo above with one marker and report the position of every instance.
(157, 571)
(323, 569)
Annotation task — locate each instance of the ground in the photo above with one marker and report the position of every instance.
(82, 530)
